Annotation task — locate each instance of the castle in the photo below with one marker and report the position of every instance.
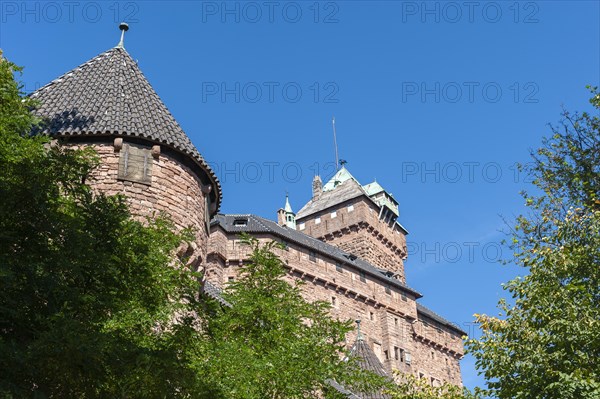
(346, 243)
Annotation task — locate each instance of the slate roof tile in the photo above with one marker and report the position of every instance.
(109, 95)
(257, 224)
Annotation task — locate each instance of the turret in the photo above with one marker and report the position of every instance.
(285, 215)
(107, 104)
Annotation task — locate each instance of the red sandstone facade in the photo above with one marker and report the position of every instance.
(345, 243)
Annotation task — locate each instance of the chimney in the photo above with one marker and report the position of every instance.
(317, 186)
(281, 217)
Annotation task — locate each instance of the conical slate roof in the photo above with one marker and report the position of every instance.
(368, 361)
(109, 96)
(367, 358)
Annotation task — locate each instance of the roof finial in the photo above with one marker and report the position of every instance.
(335, 145)
(124, 28)
(359, 336)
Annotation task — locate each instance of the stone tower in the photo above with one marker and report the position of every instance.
(285, 215)
(358, 219)
(107, 103)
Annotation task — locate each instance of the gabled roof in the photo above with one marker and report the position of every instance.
(109, 96)
(257, 224)
(343, 187)
(347, 190)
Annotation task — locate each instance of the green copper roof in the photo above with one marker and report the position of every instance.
(341, 176)
(288, 207)
(373, 188)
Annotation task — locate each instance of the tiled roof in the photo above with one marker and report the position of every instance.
(349, 188)
(256, 224)
(367, 360)
(436, 317)
(109, 96)
(344, 191)
(214, 292)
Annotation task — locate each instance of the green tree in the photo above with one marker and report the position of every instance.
(411, 387)
(272, 343)
(547, 343)
(92, 303)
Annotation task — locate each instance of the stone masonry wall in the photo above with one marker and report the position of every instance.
(389, 316)
(354, 226)
(175, 190)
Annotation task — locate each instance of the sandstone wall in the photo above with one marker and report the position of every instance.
(354, 226)
(175, 190)
(389, 316)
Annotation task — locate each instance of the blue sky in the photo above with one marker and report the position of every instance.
(436, 100)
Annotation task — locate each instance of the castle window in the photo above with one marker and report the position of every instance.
(318, 221)
(333, 301)
(403, 295)
(371, 316)
(135, 164)
(388, 290)
(399, 354)
(301, 226)
(333, 214)
(230, 279)
(350, 208)
(339, 268)
(407, 358)
(363, 277)
(387, 354)
(395, 321)
(312, 256)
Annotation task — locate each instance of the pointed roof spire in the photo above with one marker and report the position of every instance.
(124, 28)
(110, 96)
(359, 336)
(288, 207)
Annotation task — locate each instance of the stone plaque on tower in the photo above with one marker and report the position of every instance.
(135, 164)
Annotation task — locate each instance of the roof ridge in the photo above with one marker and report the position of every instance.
(433, 314)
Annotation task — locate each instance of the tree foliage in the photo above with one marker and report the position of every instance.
(409, 386)
(547, 343)
(92, 303)
(272, 343)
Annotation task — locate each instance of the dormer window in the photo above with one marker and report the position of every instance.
(241, 222)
